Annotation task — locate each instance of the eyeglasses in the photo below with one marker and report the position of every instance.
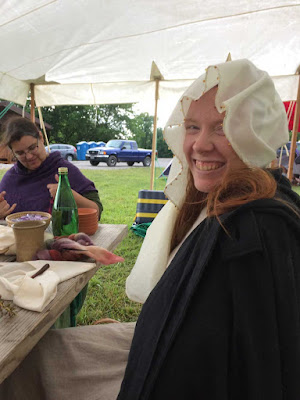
(30, 150)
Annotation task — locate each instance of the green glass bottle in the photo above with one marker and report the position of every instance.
(64, 212)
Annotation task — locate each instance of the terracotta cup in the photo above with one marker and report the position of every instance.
(29, 237)
(88, 220)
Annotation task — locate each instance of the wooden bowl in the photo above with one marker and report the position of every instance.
(13, 218)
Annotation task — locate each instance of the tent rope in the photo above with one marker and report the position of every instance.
(161, 170)
(43, 128)
(4, 111)
(289, 111)
(289, 115)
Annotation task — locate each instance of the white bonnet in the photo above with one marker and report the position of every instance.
(255, 122)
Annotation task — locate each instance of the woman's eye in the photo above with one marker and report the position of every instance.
(219, 130)
(191, 128)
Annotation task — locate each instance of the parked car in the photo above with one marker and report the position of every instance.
(119, 151)
(288, 145)
(67, 151)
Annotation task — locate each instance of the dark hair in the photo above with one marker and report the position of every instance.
(238, 187)
(16, 128)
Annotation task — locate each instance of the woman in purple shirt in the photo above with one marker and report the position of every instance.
(31, 184)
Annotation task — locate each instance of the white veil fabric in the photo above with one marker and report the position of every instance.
(255, 124)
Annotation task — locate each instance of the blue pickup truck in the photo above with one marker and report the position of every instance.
(119, 151)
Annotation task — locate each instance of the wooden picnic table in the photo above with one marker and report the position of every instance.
(20, 333)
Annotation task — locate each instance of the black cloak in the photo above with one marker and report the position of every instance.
(223, 322)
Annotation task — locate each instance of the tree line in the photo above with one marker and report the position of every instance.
(73, 124)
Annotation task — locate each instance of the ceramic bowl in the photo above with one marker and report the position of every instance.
(89, 230)
(88, 220)
(28, 216)
(87, 212)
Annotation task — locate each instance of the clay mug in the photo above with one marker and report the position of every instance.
(29, 236)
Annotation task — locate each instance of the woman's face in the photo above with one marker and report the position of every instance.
(206, 148)
(30, 151)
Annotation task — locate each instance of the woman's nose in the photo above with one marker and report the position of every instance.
(28, 155)
(203, 141)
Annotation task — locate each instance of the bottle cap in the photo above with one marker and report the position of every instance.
(62, 170)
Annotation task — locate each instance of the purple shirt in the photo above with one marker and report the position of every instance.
(29, 189)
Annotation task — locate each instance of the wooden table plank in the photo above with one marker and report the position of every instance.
(19, 334)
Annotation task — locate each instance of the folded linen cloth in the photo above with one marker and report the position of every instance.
(7, 238)
(17, 285)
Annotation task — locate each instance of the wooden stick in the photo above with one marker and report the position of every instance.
(228, 57)
(290, 110)
(32, 111)
(294, 134)
(43, 128)
(154, 136)
(40, 271)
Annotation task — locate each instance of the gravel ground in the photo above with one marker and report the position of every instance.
(162, 163)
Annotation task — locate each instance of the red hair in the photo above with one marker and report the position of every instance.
(238, 187)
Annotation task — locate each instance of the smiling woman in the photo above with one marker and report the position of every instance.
(206, 148)
(216, 321)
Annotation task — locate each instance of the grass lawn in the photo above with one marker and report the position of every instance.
(118, 192)
(297, 189)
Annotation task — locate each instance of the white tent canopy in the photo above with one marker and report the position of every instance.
(96, 52)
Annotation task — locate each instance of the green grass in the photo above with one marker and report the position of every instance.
(297, 189)
(118, 191)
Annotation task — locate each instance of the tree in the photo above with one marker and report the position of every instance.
(162, 147)
(142, 129)
(72, 124)
(113, 121)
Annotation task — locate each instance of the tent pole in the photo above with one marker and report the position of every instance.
(294, 134)
(229, 57)
(154, 135)
(32, 110)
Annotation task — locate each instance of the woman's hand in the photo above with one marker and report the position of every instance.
(52, 187)
(5, 208)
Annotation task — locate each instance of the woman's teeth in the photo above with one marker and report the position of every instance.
(208, 166)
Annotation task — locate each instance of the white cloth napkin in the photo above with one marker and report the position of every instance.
(35, 294)
(7, 238)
